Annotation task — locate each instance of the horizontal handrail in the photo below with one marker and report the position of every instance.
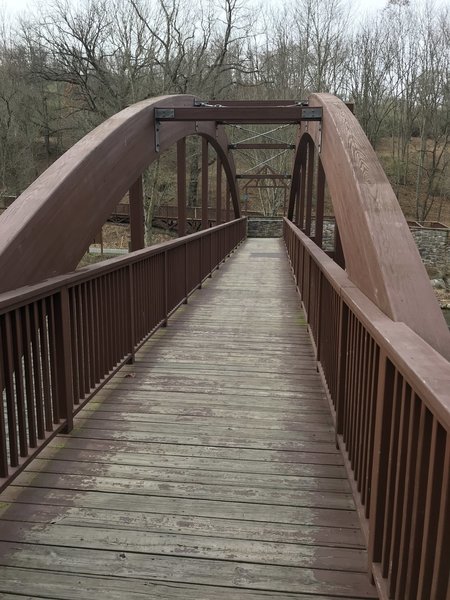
(25, 293)
(427, 369)
(61, 340)
(389, 392)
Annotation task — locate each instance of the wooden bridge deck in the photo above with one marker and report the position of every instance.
(207, 469)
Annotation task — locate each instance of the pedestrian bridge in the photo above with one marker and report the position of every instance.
(221, 417)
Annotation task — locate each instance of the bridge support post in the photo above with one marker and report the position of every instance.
(181, 186)
(227, 202)
(338, 250)
(302, 193)
(318, 234)
(219, 191)
(204, 183)
(136, 196)
(309, 188)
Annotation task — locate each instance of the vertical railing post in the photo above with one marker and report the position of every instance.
(309, 189)
(339, 257)
(186, 291)
(218, 191)
(166, 289)
(204, 183)
(319, 314)
(132, 325)
(227, 202)
(64, 357)
(302, 193)
(318, 234)
(341, 366)
(181, 186)
(201, 263)
(210, 254)
(136, 196)
(4, 471)
(380, 458)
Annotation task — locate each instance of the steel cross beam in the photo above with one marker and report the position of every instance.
(268, 146)
(241, 114)
(263, 176)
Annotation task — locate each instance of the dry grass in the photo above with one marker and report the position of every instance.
(116, 237)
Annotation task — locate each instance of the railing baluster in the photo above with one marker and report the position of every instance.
(434, 487)
(52, 353)
(3, 432)
(28, 365)
(9, 388)
(63, 347)
(392, 559)
(19, 391)
(441, 567)
(37, 374)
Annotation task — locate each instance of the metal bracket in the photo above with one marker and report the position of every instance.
(157, 128)
(164, 113)
(311, 114)
(161, 113)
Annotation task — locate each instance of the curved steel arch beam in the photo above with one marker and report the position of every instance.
(48, 228)
(381, 256)
(303, 140)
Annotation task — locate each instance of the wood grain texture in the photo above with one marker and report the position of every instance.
(207, 469)
(381, 256)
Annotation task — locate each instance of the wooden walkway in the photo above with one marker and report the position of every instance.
(206, 470)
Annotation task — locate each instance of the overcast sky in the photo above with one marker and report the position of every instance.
(14, 7)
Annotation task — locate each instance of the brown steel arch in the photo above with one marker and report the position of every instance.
(381, 257)
(48, 228)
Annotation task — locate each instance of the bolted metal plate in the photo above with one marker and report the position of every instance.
(311, 114)
(164, 113)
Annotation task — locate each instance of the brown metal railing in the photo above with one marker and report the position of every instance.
(171, 212)
(62, 339)
(389, 392)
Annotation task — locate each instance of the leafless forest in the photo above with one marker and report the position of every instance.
(65, 69)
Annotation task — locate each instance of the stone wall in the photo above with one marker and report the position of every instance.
(434, 247)
(265, 227)
(433, 244)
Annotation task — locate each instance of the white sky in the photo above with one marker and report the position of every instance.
(14, 7)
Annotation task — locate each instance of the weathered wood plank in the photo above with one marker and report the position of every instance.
(248, 511)
(182, 430)
(73, 587)
(177, 544)
(187, 490)
(131, 565)
(183, 461)
(307, 402)
(314, 423)
(332, 457)
(186, 475)
(145, 437)
(161, 410)
(185, 524)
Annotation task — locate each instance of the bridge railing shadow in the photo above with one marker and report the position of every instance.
(389, 393)
(61, 340)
